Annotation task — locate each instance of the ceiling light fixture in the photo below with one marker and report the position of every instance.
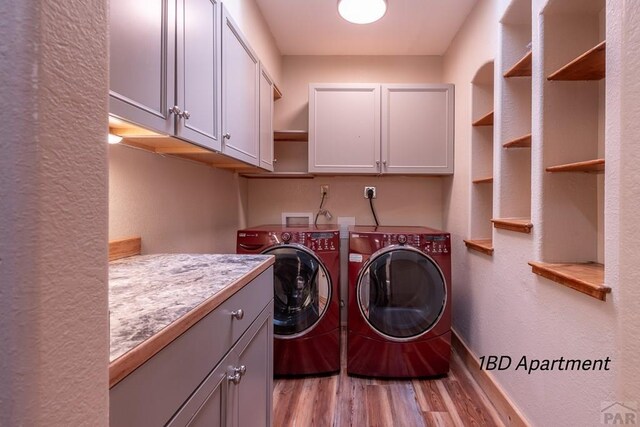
(362, 11)
(114, 139)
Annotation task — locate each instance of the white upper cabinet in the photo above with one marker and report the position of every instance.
(373, 128)
(165, 67)
(266, 120)
(198, 72)
(142, 62)
(417, 129)
(344, 128)
(240, 94)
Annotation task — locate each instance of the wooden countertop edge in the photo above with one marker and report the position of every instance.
(131, 360)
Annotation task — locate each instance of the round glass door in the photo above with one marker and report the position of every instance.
(401, 293)
(302, 290)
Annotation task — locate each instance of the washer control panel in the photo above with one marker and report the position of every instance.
(436, 244)
(317, 241)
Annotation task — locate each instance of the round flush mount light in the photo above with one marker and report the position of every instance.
(362, 11)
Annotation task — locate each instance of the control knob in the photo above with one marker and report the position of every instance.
(402, 239)
(286, 237)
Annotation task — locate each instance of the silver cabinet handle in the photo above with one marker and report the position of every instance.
(378, 164)
(234, 378)
(186, 115)
(240, 370)
(175, 110)
(384, 163)
(238, 314)
(227, 136)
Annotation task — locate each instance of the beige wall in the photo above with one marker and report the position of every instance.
(54, 324)
(175, 205)
(400, 200)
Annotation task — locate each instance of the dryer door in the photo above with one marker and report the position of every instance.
(302, 290)
(401, 293)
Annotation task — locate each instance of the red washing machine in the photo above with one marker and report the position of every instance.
(306, 319)
(399, 314)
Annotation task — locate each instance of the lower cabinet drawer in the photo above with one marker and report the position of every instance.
(152, 394)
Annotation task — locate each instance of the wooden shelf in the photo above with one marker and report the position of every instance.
(290, 135)
(521, 142)
(486, 180)
(589, 166)
(278, 175)
(521, 225)
(486, 120)
(481, 245)
(276, 93)
(587, 278)
(522, 68)
(590, 65)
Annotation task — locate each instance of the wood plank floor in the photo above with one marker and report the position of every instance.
(341, 400)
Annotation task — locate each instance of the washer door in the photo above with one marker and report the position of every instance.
(401, 293)
(302, 290)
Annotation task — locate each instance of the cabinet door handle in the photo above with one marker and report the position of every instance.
(227, 136)
(378, 164)
(234, 378)
(384, 164)
(175, 110)
(238, 314)
(186, 115)
(240, 370)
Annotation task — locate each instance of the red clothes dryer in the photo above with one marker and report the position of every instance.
(399, 313)
(306, 319)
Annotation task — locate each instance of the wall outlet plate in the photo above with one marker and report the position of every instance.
(366, 189)
(324, 189)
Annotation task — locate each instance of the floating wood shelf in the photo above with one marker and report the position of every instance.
(522, 68)
(290, 135)
(590, 65)
(587, 278)
(486, 180)
(481, 245)
(486, 120)
(278, 175)
(521, 142)
(589, 166)
(521, 225)
(276, 93)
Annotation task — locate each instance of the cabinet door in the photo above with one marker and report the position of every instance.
(240, 93)
(266, 120)
(344, 128)
(142, 62)
(417, 129)
(250, 400)
(198, 72)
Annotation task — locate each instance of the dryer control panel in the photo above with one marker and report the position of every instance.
(323, 241)
(434, 244)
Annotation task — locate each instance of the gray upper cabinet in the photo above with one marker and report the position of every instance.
(381, 129)
(266, 120)
(165, 67)
(240, 94)
(142, 62)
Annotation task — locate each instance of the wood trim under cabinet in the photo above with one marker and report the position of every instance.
(521, 225)
(522, 68)
(506, 409)
(124, 248)
(486, 120)
(591, 65)
(484, 246)
(587, 278)
(588, 166)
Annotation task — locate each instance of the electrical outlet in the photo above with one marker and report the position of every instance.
(324, 189)
(366, 189)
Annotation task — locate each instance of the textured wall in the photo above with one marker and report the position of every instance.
(53, 214)
(500, 307)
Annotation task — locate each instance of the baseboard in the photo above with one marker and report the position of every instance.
(508, 412)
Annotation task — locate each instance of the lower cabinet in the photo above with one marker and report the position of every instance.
(217, 373)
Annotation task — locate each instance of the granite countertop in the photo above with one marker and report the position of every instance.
(149, 292)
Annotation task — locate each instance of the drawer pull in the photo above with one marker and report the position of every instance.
(234, 378)
(238, 314)
(240, 370)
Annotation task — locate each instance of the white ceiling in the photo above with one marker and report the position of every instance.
(410, 27)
